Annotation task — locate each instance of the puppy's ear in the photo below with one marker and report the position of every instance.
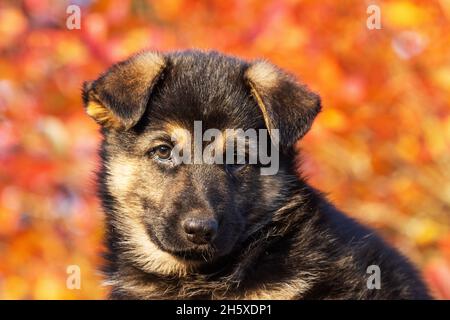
(118, 98)
(285, 104)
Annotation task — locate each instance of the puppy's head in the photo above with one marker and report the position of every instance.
(172, 215)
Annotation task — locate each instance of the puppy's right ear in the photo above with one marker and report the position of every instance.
(119, 98)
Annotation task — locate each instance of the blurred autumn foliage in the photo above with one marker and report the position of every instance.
(380, 148)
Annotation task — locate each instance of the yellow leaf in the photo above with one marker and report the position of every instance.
(403, 14)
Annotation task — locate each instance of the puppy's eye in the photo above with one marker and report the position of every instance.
(161, 153)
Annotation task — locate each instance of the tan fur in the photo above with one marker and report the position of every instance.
(149, 257)
(102, 115)
(263, 74)
(262, 106)
(124, 172)
(285, 291)
(181, 135)
(262, 77)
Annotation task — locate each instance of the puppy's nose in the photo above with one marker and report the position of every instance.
(200, 231)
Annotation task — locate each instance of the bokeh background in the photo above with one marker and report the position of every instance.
(380, 148)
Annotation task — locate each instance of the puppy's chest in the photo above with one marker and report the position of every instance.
(188, 289)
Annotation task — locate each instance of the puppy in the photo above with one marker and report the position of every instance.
(211, 230)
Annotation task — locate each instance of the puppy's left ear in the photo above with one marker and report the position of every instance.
(118, 99)
(285, 104)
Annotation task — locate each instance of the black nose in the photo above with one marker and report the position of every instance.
(200, 231)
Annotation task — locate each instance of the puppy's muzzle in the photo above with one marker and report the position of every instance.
(200, 231)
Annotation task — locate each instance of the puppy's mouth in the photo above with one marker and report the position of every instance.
(199, 253)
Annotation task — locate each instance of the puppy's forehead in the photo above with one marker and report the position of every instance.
(207, 87)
